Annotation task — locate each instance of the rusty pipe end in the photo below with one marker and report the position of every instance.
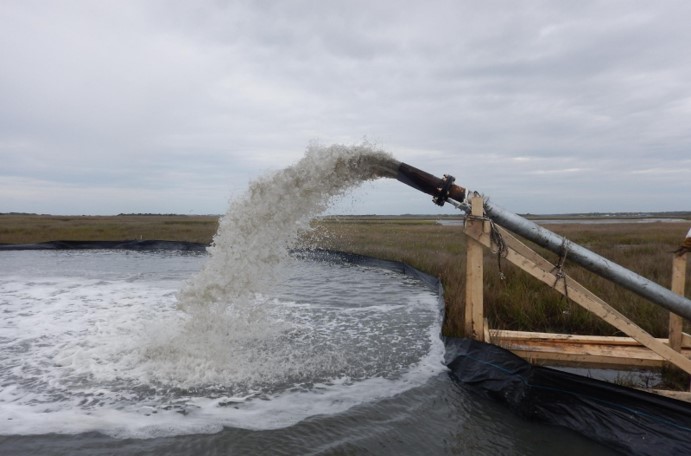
(441, 189)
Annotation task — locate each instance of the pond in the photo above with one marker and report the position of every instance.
(97, 358)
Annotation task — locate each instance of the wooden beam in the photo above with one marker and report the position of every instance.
(579, 350)
(678, 395)
(590, 359)
(676, 322)
(474, 312)
(580, 295)
(504, 334)
(685, 340)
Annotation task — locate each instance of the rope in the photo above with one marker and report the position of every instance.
(495, 238)
(558, 270)
(502, 249)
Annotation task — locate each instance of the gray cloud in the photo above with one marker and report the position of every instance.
(545, 106)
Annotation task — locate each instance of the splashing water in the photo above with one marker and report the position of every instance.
(98, 344)
(234, 332)
(255, 234)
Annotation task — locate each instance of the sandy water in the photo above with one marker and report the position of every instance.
(84, 369)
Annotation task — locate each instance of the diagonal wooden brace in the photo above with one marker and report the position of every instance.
(530, 261)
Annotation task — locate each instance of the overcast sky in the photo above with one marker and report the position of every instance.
(174, 106)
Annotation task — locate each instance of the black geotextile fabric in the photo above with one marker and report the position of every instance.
(630, 421)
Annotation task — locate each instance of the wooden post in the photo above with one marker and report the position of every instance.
(676, 323)
(474, 312)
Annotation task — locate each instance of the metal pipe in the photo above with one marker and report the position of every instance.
(440, 189)
(591, 261)
(444, 189)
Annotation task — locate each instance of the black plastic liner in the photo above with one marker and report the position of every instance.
(630, 421)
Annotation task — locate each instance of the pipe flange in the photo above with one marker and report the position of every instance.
(442, 193)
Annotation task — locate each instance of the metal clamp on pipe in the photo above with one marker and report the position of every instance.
(443, 192)
(441, 189)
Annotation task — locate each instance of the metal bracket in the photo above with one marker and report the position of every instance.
(442, 193)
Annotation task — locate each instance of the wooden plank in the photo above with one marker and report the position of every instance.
(580, 350)
(676, 322)
(502, 334)
(585, 298)
(487, 337)
(586, 355)
(587, 360)
(576, 338)
(616, 351)
(513, 242)
(678, 395)
(474, 286)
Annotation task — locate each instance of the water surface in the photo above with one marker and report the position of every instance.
(97, 358)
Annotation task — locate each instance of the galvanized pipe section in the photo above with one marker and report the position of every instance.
(591, 261)
(444, 190)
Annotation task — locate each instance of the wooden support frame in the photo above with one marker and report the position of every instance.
(474, 283)
(517, 253)
(676, 322)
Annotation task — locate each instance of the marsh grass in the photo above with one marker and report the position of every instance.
(517, 302)
(26, 229)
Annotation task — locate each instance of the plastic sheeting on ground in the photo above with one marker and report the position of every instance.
(628, 420)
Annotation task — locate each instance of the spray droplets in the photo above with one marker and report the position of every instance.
(229, 316)
(256, 233)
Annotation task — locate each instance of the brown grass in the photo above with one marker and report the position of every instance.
(517, 302)
(520, 302)
(25, 229)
